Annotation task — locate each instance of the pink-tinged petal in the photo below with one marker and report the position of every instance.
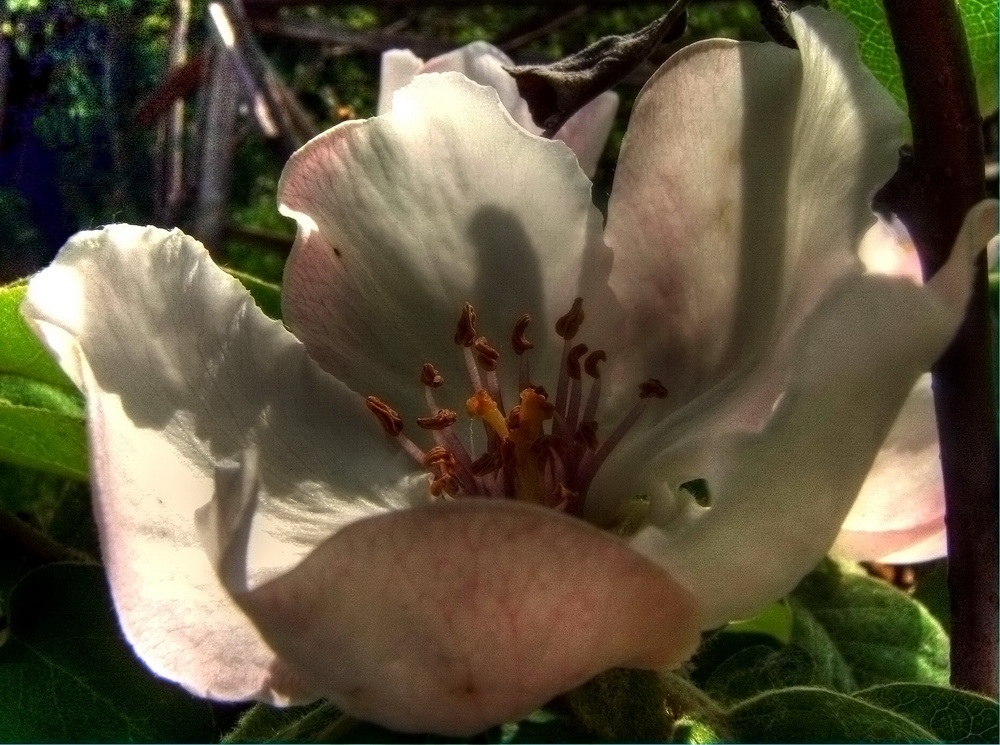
(405, 217)
(780, 494)
(458, 616)
(901, 504)
(742, 193)
(888, 249)
(586, 132)
(181, 371)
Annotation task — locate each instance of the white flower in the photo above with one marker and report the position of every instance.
(586, 131)
(225, 448)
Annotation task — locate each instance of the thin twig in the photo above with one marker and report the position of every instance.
(172, 127)
(539, 26)
(931, 195)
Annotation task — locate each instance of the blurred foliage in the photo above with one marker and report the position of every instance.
(72, 155)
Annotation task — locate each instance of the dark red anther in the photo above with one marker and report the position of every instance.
(486, 356)
(573, 360)
(517, 339)
(487, 463)
(391, 422)
(586, 435)
(430, 377)
(652, 388)
(443, 419)
(590, 364)
(441, 458)
(446, 484)
(568, 325)
(465, 334)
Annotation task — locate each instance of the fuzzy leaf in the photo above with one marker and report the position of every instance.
(949, 714)
(67, 675)
(862, 632)
(815, 715)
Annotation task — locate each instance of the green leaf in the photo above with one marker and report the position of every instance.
(775, 620)
(21, 353)
(862, 632)
(41, 412)
(758, 668)
(947, 713)
(878, 53)
(67, 675)
(42, 427)
(815, 715)
(267, 295)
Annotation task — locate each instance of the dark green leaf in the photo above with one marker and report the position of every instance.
(862, 632)
(760, 668)
(815, 715)
(267, 295)
(949, 714)
(979, 18)
(67, 675)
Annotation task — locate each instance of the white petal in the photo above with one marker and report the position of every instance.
(399, 66)
(182, 371)
(901, 503)
(463, 615)
(586, 132)
(405, 217)
(780, 494)
(742, 192)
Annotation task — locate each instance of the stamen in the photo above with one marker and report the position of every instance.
(392, 423)
(594, 396)
(652, 388)
(575, 385)
(487, 463)
(521, 345)
(518, 340)
(591, 462)
(568, 325)
(586, 434)
(443, 419)
(465, 333)
(486, 355)
(489, 358)
(441, 458)
(430, 377)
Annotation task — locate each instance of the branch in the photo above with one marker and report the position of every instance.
(933, 192)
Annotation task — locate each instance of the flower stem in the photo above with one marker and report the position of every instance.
(931, 195)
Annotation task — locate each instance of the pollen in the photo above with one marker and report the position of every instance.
(545, 450)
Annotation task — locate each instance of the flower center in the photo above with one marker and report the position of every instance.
(545, 451)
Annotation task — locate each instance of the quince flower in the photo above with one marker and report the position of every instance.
(274, 526)
(586, 131)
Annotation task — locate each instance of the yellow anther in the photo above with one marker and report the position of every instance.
(482, 405)
(533, 411)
